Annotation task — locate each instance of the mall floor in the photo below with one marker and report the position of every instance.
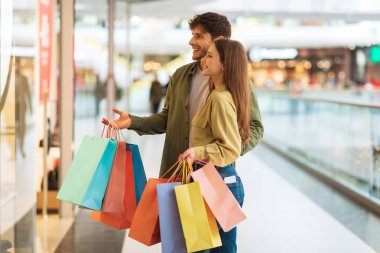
(288, 211)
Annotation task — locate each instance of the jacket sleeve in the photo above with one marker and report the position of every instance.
(156, 123)
(256, 127)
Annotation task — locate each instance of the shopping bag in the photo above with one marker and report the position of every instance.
(198, 223)
(138, 171)
(145, 226)
(82, 169)
(218, 197)
(93, 198)
(172, 239)
(121, 220)
(114, 197)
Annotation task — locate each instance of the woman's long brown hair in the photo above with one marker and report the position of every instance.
(234, 59)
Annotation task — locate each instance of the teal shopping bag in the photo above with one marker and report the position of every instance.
(82, 169)
(138, 170)
(93, 198)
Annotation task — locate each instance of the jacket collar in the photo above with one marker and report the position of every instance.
(194, 67)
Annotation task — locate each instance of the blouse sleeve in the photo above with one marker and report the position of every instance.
(226, 146)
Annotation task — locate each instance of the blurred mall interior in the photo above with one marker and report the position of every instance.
(313, 183)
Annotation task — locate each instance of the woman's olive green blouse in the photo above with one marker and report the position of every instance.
(215, 132)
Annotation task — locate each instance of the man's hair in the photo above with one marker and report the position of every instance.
(213, 23)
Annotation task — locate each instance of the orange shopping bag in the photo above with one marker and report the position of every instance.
(122, 220)
(145, 227)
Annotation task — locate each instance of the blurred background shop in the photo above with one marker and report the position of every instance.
(64, 64)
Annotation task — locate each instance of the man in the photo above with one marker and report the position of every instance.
(186, 94)
(23, 102)
(155, 95)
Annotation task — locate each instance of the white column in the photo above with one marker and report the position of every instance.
(66, 100)
(128, 53)
(111, 79)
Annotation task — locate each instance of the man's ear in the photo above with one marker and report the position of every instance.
(219, 37)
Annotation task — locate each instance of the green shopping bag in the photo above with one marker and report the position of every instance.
(82, 169)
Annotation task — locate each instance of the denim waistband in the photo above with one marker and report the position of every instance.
(229, 169)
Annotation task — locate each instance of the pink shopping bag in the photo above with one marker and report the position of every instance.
(218, 197)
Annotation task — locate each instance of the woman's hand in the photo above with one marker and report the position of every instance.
(189, 154)
(123, 121)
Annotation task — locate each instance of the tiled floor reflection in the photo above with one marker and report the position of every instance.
(87, 235)
(50, 231)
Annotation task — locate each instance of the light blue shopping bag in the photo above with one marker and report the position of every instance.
(138, 171)
(172, 238)
(93, 198)
(82, 169)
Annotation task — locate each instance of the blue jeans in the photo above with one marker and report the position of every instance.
(229, 238)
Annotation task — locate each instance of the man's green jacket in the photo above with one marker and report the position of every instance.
(174, 119)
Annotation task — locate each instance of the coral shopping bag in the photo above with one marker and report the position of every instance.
(114, 197)
(87, 159)
(198, 223)
(122, 220)
(218, 197)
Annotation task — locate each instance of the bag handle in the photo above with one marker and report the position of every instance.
(171, 168)
(201, 162)
(187, 173)
(184, 169)
(111, 132)
(121, 132)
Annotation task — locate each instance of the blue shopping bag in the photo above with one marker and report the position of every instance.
(172, 238)
(93, 198)
(138, 171)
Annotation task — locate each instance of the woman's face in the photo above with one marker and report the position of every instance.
(211, 65)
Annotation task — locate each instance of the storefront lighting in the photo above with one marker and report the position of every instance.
(151, 66)
(307, 65)
(324, 64)
(375, 54)
(258, 53)
(299, 68)
(265, 64)
(281, 64)
(291, 64)
(24, 51)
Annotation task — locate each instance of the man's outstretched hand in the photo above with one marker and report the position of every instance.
(123, 121)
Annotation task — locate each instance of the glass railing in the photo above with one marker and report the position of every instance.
(339, 139)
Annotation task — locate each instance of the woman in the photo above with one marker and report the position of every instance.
(222, 124)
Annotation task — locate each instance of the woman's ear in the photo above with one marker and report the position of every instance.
(202, 62)
(219, 37)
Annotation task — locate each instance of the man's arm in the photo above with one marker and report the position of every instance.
(256, 131)
(156, 123)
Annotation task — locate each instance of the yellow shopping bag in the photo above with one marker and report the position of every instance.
(198, 223)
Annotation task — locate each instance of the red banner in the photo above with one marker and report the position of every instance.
(45, 44)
